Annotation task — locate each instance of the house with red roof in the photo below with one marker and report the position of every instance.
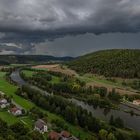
(53, 135)
(136, 102)
(64, 135)
(16, 111)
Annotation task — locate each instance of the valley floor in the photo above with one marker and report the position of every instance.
(10, 89)
(91, 79)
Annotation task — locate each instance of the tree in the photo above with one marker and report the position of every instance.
(10, 137)
(119, 122)
(103, 134)
(103, 91)
(35, 135)
(19, 128)
(70, 115)
(111, 137)
(111, 121)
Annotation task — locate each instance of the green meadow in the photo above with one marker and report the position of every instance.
(29, 73)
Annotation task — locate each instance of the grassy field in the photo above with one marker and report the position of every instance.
(9, 118)
(55, 79)
(28, 73)
(27, 120)
(9, 90)
(96, 80)
(91, 78)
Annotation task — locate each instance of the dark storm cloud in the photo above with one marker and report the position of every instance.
(71, 15)
(29, 22)
(82, 44)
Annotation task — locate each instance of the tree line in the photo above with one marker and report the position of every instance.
(17, 131)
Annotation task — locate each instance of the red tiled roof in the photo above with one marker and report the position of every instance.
(65, 134)
(137, 101)
(53, 135)
(14, 109)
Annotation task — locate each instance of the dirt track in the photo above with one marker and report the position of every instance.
(122, 91)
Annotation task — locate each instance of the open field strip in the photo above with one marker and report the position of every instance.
(90, 79)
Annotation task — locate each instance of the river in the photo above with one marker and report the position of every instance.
(104, 114)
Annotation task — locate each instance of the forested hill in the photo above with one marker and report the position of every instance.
(29, 59)
(111, 63)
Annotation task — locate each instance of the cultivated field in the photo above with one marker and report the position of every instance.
(90, 80)
(56, 68)
(99, 81)
(120, 90)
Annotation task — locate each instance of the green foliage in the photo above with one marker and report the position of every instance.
(103, 134)
(110, 63)
(113, 95)
(117, 122)
(111, 137)
(16, 131)
(69, 111)
(70, 86)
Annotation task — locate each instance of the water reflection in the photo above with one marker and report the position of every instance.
(131, 121)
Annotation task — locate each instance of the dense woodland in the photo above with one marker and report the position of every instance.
(110, 63)
(17, 131)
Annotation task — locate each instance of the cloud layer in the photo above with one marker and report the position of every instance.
(28, 22)
(95, 16)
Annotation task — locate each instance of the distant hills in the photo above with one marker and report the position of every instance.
(110, 63)
(29, 59)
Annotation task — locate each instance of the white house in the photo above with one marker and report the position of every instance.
(16, 111)
(3, 103)
(41, 126)
(136, 102)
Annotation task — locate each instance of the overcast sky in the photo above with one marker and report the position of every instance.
(68, 27)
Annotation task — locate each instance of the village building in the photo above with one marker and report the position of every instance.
(136, 102)
(3, 103)
(64, 135)
(16, 111)
(3, 106)
(54, 135)
(41, 126)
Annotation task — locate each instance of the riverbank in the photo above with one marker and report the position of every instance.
(73, 129)
(130, 121)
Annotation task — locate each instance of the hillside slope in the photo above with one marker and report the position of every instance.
(111, 63)
(30, 59)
